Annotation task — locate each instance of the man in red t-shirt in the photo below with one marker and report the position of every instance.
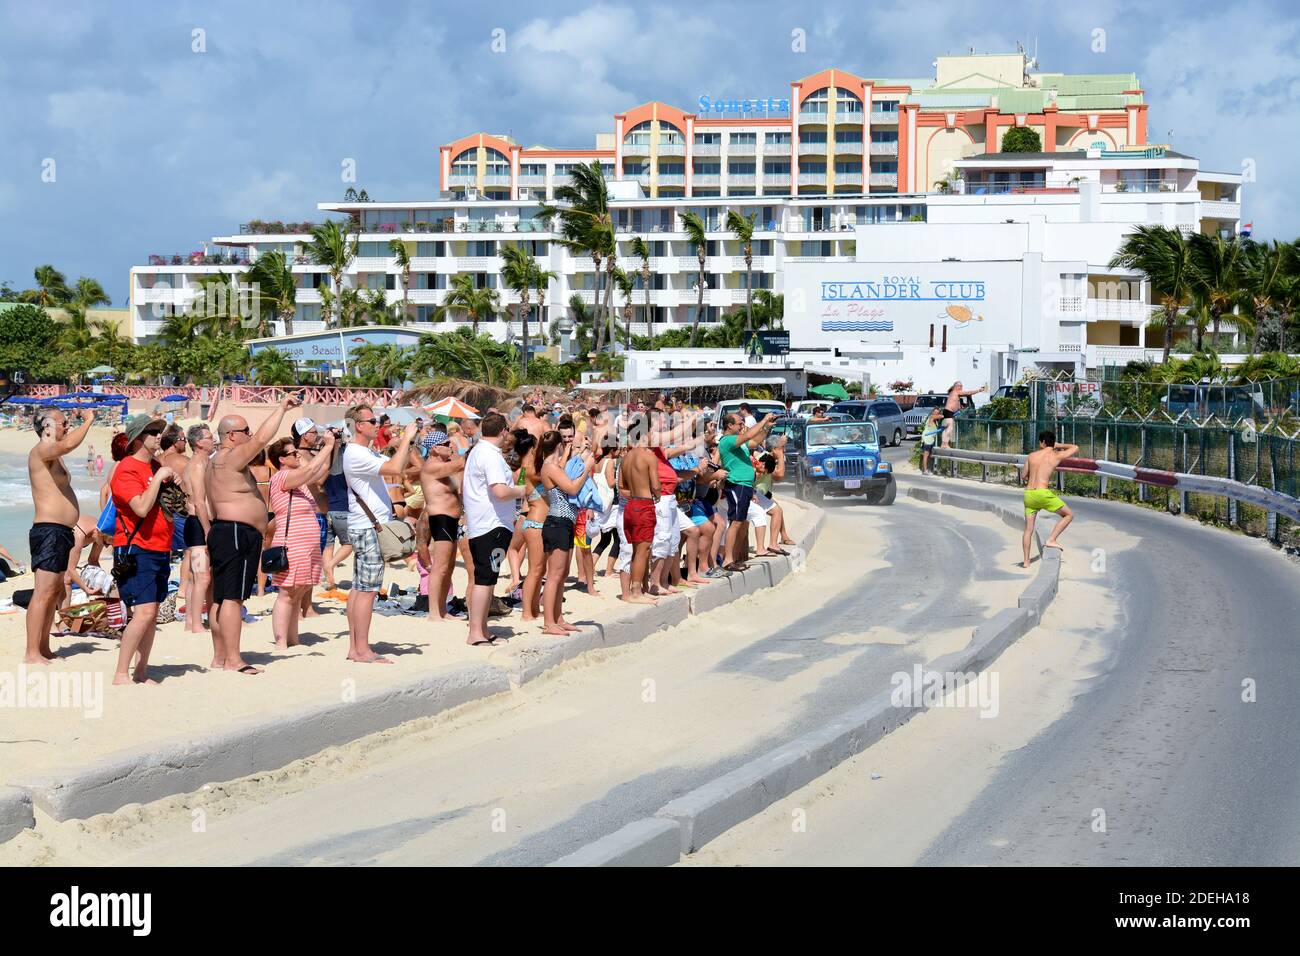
(143, 533)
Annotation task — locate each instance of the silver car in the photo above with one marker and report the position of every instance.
(883, 411)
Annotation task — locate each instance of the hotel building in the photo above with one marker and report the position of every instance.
(842, 168)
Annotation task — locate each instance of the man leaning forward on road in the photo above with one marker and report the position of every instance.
(239, 520)
(1037, 472)
(369, 506)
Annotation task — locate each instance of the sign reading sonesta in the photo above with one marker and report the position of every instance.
(894, 288)
(731, 106)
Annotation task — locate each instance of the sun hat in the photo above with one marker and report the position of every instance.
(138, 423)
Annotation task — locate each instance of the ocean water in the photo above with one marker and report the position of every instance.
(16, 509)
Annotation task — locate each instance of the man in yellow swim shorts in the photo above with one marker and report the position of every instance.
(1037, 472)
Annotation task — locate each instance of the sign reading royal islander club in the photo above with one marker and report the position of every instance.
(901, 302)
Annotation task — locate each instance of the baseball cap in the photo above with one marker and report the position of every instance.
(138, 423)
(301, 427)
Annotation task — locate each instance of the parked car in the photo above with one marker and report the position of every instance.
(805, 408)
(885, 412)
(915, 416)
(760, 407)
(843, 458)
(1020, 392)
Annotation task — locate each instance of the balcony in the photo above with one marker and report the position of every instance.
(812, 179)
(636, 147)
(672, 149)
(706, 179)
(812, 115)
(532, 179)
(742, 149)
(884, 179)
(672, 179)
(1140, 186)
(706, 149)
(443, 264)
(848, 149)
(776, 149)
(497, 179)
(848, 114)
(884, 117)
(664, 265)
(1097, 356)
(690, 263)
(812, 149)
(885, 149)
(373, 263)
(776, 179)
(478, 263)
(167, 294)
(741, 179)
(307, 296)
(462, 179)
(1220, 209)
(199, 259)
(259, 227)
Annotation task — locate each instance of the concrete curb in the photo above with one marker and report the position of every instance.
(266, 743)
(649, 841)
(16, 813)
(710, 810)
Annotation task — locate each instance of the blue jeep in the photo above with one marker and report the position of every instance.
(843, 458)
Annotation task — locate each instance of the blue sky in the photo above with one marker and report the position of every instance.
(157, 148)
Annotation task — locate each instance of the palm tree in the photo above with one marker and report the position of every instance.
(742, 227)
(377, 309)
(274, 367)
(89, 293)
(465, 355)
(398, 249)
(770, 309)
(517, 273)
(109, 341)
(694, 227)
(275, 287)
(626, 285)
(1217, 276)
(582, 324)
(1164, 257)
(542, 279)
(642, 251)
(586, 224)
(388, 363)
(51, 287)
(477, 303)
(217, 307)
(351, 304)
(331, 246)
(1264, 266)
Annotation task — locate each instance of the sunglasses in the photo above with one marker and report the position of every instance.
(246, 430)
(289, 453)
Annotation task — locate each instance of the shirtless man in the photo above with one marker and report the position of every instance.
(172, 455)
(197, 522)
(529, 421)
(439, 476)
(51, 539)
(639, 474)
(1037, 473)
(239, 520)
(953, 405)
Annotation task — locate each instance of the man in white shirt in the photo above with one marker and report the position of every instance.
(489, 492)
(365, 470)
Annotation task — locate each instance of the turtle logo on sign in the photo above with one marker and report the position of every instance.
(961, 314)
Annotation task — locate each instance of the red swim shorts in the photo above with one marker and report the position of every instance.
(639, 520)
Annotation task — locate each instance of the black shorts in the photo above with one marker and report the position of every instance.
(947, 413)
(738, 499)
(235, 556)
(51, 546)
(489, 553)
(194, 533)
(443, 528)
(557, 535)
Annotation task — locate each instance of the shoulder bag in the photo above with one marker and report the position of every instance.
(396, 539)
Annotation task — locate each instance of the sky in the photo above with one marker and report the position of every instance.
(134, 128)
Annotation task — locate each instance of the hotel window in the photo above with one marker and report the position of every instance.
(638, 135)
(884, 136)
(670, 136)
(390, 280)
(430, 249)
(762, 280)
(812, 169)
(812, 138)
(702, 168)
(884, 165)
(373, 250)
(738, 168)
(465, 164)
(744, 139)
(484, 280)
(885, 106)
(820, 247)
(307, 313)
(846, 102)
(532, 169)
(426, 313)
(708, 139)
(769, 218)
(815, 103)
(535, 247)
(778, 138)
(848, 167)
(672, 169)
(850, 136)
(481, 247)
(709, 193)
(711, 279)
(636, 167)
(776, 167)
(657, 280)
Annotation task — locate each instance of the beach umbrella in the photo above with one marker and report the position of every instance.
(831, 390)
(176, 398)
(452, 408)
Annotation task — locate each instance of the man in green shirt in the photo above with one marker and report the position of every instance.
(733, 448)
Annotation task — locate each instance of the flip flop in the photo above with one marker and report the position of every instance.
(248, 669)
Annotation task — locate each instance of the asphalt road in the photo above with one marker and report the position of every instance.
(570, 759)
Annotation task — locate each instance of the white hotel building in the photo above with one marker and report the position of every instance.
(844, 179)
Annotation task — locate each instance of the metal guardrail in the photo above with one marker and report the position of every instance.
(1273, 502)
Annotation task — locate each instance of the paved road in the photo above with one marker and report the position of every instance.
(1160, 739)
(571, 758)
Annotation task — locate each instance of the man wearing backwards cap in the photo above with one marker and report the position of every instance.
(239, 520)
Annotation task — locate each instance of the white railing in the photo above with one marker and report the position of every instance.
(663, 264)
(884, 116)
(672, 179)
(776, 179)
(812, 149)
(672, 149)
(706, 149)
(706, 179)
(371, 263)
(427, 296)
(1220, 209)
(776, 149)
(1099, 355)
(1071, 304)
(741, 179)
(884, 179)
(1123, 309)
(747, 149)
(849, 149)
(884, 149)
(812, 179)
(307, 296)
(478, 263)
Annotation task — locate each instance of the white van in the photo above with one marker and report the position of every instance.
(759, 406)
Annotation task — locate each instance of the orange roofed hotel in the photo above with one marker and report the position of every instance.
(823, 171)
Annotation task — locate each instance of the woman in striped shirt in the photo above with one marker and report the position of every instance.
(295, 528)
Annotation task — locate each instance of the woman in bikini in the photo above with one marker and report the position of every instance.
(557, 530)
(534, 516)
